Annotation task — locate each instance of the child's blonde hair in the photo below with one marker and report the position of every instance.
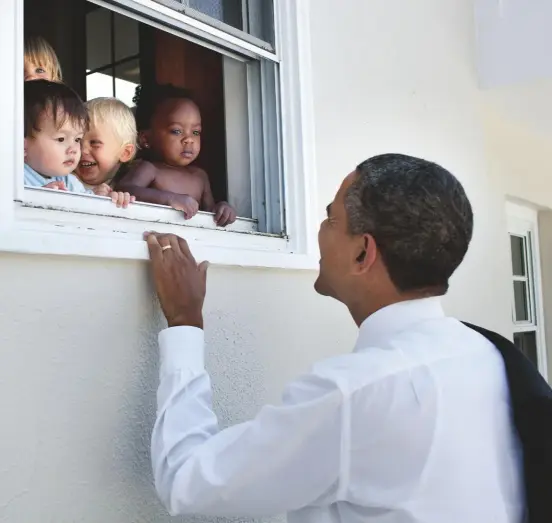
(38, 51)
(117, 115)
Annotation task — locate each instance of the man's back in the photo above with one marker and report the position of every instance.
(413, 426)
(427, 434)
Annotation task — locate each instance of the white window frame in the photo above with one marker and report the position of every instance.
(183, 6)
(38, 221)
(523, 222)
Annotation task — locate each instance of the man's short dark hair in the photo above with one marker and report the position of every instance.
(419, 216)
(60, 101)
(149, 96)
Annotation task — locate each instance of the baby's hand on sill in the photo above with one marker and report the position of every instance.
(122, 199)
(55, 186)
(186, 204)
(224, 214)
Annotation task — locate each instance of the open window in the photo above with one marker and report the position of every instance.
(107, 50)
(248, 64)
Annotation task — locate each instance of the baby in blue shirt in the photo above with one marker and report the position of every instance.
(55, 122)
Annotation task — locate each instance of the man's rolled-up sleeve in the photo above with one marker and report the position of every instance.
(286, 458)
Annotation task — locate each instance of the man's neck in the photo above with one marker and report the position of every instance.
(361, 311)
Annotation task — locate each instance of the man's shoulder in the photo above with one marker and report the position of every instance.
(357, 370)
(395, 358)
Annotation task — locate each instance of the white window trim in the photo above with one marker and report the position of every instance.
(39, 226)
(200, 29)
(521, 220)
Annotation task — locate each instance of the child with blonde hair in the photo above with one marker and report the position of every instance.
(41, 61)
(108, 145)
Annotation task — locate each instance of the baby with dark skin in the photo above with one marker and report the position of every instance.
(169, 133)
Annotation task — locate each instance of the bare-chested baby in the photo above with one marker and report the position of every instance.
(169, 134)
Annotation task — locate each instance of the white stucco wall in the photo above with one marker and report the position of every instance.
(518, 136)
(78, 350)
(512, 35)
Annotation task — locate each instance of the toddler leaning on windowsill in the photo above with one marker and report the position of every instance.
(169, 133)
(108, 145)
(55, 122)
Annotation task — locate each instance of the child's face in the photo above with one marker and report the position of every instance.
(34, 71)
(54, 151)
(175, 134)
(102, 154)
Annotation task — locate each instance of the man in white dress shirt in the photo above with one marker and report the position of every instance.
(413, 426)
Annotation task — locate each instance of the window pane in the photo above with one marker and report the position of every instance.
(521, 301)
(228, 11)
(127, 77)
(99, 84)
(212, 8)
(236, 118)
(255, 17)
(98, 39)
(260, 19)
(517, 244)
(526, 342)
(126, 37)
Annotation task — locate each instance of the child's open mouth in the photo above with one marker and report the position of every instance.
(87, 165)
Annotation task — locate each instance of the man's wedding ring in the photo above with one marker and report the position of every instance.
(166, 247)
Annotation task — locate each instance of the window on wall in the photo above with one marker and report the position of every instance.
(248, 65)
(222, 50)
(524, 310)
(527, 317)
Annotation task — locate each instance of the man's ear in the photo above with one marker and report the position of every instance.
(26, 142)
(367, 253)
(127, 153)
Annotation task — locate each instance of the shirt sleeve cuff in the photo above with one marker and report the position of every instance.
(181, 348)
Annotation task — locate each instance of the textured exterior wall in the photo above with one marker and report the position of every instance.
(78, 354)
(518, 135)
(78, 374)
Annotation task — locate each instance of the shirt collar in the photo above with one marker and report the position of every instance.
(28, 169)
(395, 318)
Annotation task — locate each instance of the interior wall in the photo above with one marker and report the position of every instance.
(62, 24)
(185, 64)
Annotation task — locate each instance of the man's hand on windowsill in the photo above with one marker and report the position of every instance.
(179, 281)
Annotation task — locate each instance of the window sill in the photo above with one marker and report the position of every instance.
(51, 223)
(86, 204)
